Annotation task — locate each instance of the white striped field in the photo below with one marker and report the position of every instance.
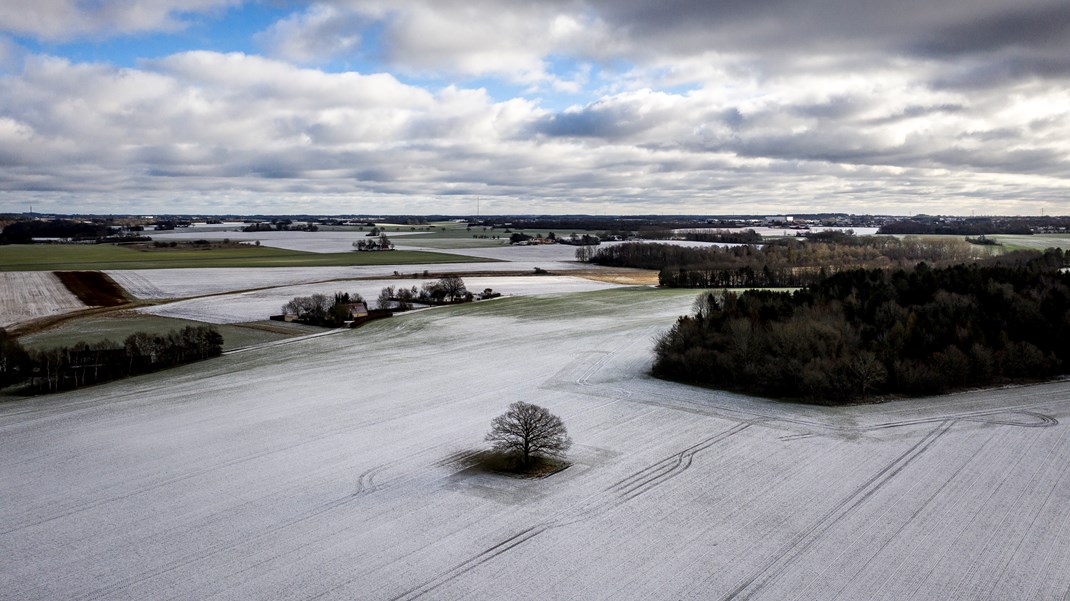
(26, 295)
(334, 468)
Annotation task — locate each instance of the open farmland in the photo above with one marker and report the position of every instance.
(260, 304)
(181, 283)
(1034, 242)
(33, 257)
(29, 295)
(335, 468)
(116, 327)
(324, 241)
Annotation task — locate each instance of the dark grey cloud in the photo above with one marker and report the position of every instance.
(913, 112)
(599, 121)
(1001, 69)
(1030, 27)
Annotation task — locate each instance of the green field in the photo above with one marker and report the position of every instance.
(1034, 242)
(37, 257)
(117, 327)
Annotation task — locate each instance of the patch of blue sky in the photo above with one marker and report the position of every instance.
(365, 59)
(569, 82)
(229, 30)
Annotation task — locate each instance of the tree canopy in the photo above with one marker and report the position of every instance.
(529, 431)
(915, 332)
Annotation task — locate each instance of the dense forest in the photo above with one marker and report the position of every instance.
(83, 364)
(861, 332)
(783, 262)
(748, 236)
(23, 232)
(974, 226)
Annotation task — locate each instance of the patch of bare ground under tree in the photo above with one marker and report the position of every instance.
(507, 464)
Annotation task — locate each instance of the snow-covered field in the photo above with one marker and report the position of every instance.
(258, 305)
(316, 242)
(332, 468)
(181, 283)
(539, 254)
(26, 295)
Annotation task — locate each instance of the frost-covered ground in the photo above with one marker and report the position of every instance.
(538, 254)
(316, 242)
(332, 468)
(26, 295)
(258, 305)
(181, 283)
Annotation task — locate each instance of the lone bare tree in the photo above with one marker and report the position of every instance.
(529, 430)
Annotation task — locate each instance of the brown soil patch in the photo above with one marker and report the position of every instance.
(620, 275)
(93, 288)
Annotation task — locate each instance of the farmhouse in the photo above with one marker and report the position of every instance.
(357, 310)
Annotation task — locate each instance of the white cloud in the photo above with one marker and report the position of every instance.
(67, 19)
(235, 124)
(321, 32)
(468, 39)
(700, 107)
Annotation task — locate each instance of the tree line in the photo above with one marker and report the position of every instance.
(975, 226)
(860, 332)
(23, 232)
(84, 364)
(446, 290)
(780, 263)
(327, 311)
(322, 310)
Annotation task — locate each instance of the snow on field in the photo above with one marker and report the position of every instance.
(546, 253)
(26, 295)
(180, 283)
(334, 468)
(260, 304)
(536, 254)
(316, 242)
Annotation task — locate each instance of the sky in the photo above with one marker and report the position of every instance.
(553, 107)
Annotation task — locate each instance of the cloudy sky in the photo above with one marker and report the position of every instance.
(557, 106)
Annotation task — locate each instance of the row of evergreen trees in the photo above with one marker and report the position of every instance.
(84, 364)
(861, 332)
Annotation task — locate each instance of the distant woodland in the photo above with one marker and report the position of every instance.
(83, 364)
(23, 232)
(959, 227)
(781, 263)
(866, 332)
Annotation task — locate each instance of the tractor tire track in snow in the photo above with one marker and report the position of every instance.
(613, 496)
(672, 466)
(650, 477)
(285, 341)
(775, 566)
(367, 483)
(778, 563)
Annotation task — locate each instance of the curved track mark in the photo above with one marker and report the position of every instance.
(772, 569)
(620, 492)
